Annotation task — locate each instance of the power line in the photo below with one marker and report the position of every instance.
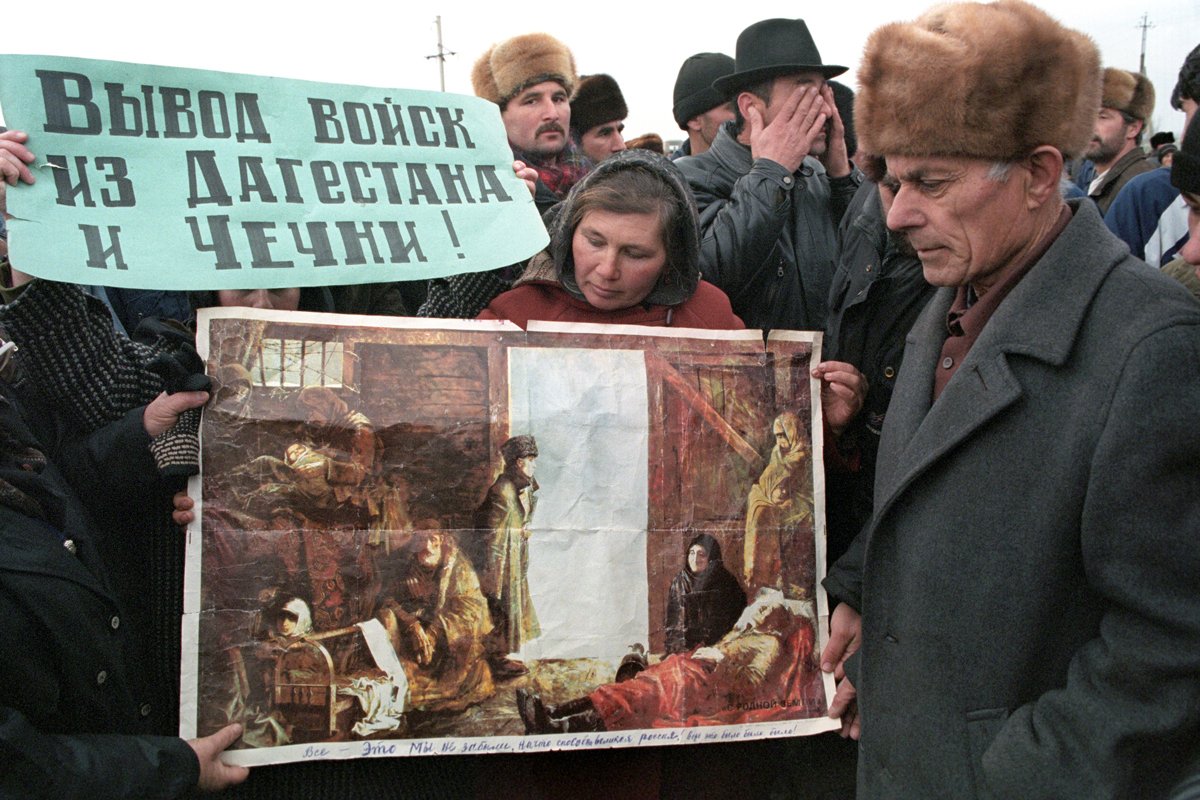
(443, 52)
(1145, 25)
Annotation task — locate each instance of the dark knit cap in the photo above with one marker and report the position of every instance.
(694, 92)
(1185, 168)
(597, 100)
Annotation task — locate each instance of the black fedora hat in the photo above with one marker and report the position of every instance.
(773, 47)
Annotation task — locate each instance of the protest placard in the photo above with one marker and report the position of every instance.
(168, 178)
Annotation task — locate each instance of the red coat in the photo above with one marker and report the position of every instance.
(707, 308)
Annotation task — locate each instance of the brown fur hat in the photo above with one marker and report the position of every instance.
(510, 66)
(990, 81)
(1127, 91)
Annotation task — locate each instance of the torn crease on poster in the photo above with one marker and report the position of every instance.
(424, 537)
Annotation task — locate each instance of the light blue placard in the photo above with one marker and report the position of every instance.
(166, 178)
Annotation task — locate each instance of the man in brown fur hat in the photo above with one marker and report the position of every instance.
(1030, 625)
(1126, 102)
(531, 77)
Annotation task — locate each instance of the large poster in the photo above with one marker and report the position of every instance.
(418, 540)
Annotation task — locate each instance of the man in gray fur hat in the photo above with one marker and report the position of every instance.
(1030, 625)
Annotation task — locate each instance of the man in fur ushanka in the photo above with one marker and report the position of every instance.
(1030, 625)
(531, 78)
(1126, 102)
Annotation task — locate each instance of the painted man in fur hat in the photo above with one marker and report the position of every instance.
(775, 182)
(1116, 146)
(1030, 625)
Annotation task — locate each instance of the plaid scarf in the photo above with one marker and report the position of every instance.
(566, 169)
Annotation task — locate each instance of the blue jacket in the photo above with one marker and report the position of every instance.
(1146, 216)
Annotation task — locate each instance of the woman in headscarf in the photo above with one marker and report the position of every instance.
(705, 599)
(624, 250)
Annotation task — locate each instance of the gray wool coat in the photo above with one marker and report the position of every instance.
(1030, 581)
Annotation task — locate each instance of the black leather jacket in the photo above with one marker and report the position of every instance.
(767, 235)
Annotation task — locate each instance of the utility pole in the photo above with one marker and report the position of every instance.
(442, 52)
(1145, 26)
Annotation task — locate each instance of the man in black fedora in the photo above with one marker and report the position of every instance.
(773, 185)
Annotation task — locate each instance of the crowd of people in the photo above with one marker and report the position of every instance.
(1010, 400)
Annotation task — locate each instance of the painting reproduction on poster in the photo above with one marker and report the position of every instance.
(436, 537)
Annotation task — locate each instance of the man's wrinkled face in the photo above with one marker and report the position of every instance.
(964, 224)
(1111, 137)
(538, 118)
(601, 141)
(697, 558)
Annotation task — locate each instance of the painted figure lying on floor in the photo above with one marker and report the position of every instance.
(761, 670)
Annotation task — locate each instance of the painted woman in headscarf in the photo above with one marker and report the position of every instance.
(705, 599)
(779, 503)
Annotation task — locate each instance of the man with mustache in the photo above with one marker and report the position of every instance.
(531, 78)
(1115, 147)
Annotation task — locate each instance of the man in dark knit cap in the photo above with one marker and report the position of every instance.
(699, 109)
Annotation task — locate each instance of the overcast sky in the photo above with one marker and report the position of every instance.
(641, 45)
